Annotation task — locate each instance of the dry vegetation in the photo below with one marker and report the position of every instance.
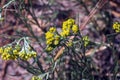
(33, 18)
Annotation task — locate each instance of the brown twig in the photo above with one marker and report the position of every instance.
(5, 67)
(99, 5)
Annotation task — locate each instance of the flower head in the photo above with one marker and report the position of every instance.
(52, 38)
(49, 35)
(75, 28)
(49, 48)
(86, 40)
(36, 78)
(26, 54)
(67, 27)
(116, 27)
(7, 53)
(52, 29)
(71, 21)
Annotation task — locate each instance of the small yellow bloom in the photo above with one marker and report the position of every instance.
(49, 35)
(49, 41)
(34, 54)
(68, 26)
(52, 29)
(62, 34)
(6, 56)
(65, 33)
(116, 27)
(21, 54)
(64, 27)
(15, 52)
(71, 21)
(86, 40)
(52, 39)
(75, 28)
(56, 42)
(49, 48)
(7, 49)
(65, 23)
(36, 78)
(26, 55)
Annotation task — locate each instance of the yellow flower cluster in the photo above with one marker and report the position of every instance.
(12, 53)
(8, 52)
(36, 78)
(26, 54)
(68, 26)
(86, 40)
(52, 38)
(116, 27)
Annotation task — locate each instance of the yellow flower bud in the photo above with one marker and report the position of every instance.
(65, 33)
(52, 29)
(49, 48)
(49, 35)
(56, 42)
(116, 27)
(15, 52)
(75, 28)
(71, 21)
(86, 40)
(36, 78)
(65, 23)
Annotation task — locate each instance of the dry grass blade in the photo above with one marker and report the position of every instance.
(99, 5)
(59, 53)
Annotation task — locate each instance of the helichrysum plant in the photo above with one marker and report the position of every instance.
(22, 50)
(53, 38)
(13, 52)
(70, 32)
